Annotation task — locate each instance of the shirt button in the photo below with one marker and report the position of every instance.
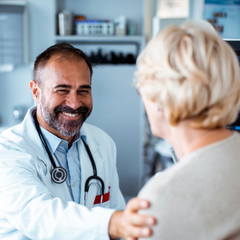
(68, 154)
(62, 142)
(74, 184)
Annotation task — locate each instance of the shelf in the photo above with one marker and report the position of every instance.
(15, 3)
(97, 38)
(139, 41)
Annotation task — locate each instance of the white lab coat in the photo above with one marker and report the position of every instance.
(32, 206)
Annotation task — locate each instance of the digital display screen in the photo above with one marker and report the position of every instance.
(224, 16)
(235, 44)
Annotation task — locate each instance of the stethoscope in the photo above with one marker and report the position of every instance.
(59, 174)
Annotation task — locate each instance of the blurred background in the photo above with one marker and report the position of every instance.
(112, 33)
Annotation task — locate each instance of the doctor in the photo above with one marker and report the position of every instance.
(53, 163)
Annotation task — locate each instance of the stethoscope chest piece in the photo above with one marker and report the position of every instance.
(59, 175)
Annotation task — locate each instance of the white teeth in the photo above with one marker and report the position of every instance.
(70, 114)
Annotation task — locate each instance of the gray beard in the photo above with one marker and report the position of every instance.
(66, 128)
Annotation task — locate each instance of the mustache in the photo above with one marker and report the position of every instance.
(67, 109)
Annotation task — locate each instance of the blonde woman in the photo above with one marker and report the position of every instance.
(189, 81)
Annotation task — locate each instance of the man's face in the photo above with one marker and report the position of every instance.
(65, 99)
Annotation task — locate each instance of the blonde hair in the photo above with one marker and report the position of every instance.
(192, 74)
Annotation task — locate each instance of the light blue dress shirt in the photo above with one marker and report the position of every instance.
(68, 159)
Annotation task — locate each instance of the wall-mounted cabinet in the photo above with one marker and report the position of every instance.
(108, 49)
(107, 10)
(13, 34)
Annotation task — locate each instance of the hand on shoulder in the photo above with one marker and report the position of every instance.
(130, 225)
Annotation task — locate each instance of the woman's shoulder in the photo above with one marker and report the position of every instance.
(202, 167)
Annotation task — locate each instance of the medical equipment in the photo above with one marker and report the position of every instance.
(59, 174)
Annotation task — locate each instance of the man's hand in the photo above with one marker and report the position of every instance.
(130, 225)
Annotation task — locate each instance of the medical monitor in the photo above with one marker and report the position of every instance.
(235, 44)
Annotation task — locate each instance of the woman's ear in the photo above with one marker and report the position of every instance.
(35, 91)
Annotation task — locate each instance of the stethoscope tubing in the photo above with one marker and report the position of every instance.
(95, 176)
(59, 174)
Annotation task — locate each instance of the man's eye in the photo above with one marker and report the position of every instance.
(62, 91)
(83, 91)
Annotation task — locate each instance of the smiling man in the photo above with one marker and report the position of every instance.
(62, 91)
(58, 177)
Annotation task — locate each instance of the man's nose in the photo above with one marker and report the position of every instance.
(73, 101)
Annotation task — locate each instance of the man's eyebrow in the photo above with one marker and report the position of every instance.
(84, 86)
(63, 86)
(69, 86)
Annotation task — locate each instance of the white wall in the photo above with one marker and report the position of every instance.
(196, 9)
(117, 109)
(14, 90)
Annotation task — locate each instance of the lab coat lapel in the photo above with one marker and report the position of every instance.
(30, 134)
(86, 166)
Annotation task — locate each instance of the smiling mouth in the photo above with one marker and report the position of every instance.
(70, 114)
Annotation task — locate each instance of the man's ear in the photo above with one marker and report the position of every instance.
(35, 91)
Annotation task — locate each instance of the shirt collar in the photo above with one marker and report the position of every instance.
(53, 141)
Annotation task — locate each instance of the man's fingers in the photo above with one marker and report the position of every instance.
(137, 232)
(136, 204)
(133, 206)
(129, 224)
(141, 220)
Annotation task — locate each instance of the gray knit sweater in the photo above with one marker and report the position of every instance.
(199, 197)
